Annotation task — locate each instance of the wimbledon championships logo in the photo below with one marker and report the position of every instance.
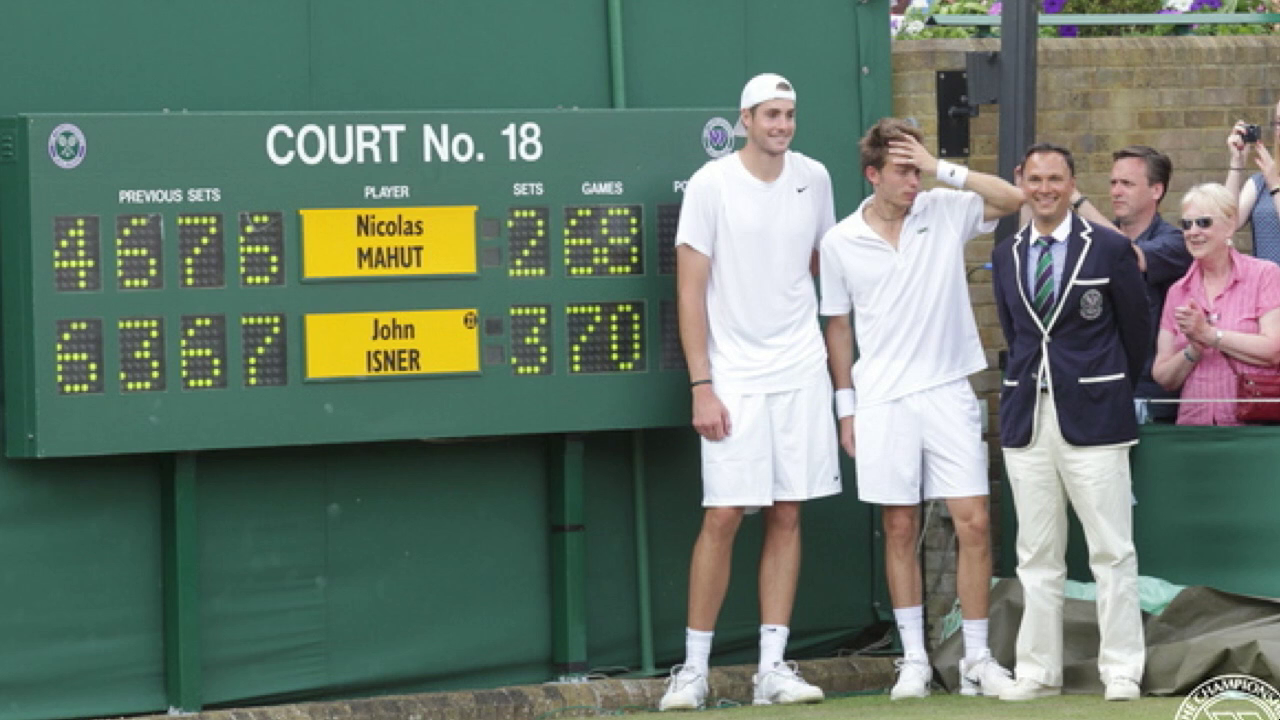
(1231, 697)
(717, 137)
(67, 146)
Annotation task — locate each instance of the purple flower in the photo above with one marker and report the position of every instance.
(995, 8)
(1054, 6)
(1068, 31)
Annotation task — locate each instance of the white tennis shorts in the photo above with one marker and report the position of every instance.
(923, 446)
(781, 447)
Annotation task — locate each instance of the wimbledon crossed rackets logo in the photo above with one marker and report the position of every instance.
(67, 146)
(717, 137)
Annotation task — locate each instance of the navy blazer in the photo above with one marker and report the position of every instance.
(1096, 340)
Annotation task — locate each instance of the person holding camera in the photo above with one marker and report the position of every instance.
(1259, 197)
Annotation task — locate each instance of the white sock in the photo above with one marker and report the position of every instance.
(911, 630)
(773, 643)
(697, 649)
(975, 639)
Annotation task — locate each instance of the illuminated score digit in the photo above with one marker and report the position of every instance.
(139, 242)
(531, 339)
(606, 337)
(261, 248)
(524, 143)
(141, 354)
(200, 250)
(204, 352)
(603, 240)
(262, 337)
(527, 246)
(77, 356)
(76, 253)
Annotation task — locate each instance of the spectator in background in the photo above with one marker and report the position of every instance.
(1139, 180)
(1259, 198)
(1227, 305)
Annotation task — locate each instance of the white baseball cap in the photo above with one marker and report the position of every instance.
(765, 86)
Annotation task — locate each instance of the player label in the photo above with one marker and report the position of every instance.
(381, 242)
(394, 342)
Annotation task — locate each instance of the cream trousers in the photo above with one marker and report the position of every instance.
(1044, 476)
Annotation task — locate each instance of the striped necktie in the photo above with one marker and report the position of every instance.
(1043, 291)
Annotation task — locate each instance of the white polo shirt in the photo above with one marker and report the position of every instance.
(762, 309)
(914, 323)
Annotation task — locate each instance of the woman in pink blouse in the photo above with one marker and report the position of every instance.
(1228, 304)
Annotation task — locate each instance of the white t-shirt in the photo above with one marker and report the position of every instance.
(761, 307)
(914, 323)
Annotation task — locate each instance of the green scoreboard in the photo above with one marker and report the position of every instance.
(188, 281)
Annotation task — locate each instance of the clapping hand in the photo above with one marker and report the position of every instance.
(1191, 322)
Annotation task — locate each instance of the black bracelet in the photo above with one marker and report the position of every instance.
(1274, 190)
(1076, 205)
(696, 383)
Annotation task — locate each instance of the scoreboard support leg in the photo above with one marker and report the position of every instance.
(568, 558)
(644, 602)
(181, 572)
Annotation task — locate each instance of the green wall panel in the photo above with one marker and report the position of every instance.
(80, 609)
(373, 568)
(709, 48)
(613, 621)
(459, 54)
(1205, 513)
(264, 573)
(130, 55)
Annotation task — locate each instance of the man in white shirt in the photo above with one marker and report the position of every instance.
(897, 264)
(745, 250)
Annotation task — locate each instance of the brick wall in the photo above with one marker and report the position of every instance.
(1178, 94)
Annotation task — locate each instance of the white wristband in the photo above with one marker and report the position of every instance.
(952, 174)
(846, 402)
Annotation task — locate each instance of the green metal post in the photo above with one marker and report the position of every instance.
(643, 591)
(181, 568)
(617, 67)
(568, 558)
(875, 100)
(874, 71)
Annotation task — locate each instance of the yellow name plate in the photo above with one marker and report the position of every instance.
(381, 242)
(394, 342)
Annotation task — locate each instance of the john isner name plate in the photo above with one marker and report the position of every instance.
(394, 342)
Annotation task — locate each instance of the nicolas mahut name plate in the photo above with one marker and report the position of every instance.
(380, 243)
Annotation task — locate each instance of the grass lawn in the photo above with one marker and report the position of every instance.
(954, 707)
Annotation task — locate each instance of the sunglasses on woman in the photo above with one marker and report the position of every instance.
(1200, 222)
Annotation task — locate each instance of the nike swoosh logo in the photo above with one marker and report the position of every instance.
(800, 190)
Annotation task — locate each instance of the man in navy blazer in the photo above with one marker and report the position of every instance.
(1073, 308)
